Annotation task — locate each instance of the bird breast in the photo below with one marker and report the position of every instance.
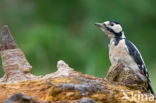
(119, 54)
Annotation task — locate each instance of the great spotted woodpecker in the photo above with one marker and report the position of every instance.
(123, 51)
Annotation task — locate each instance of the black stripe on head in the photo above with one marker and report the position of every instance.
(119, 34)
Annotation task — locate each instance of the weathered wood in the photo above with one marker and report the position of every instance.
(14, 62)
(65, 85)
(123, 75)
(7, 41)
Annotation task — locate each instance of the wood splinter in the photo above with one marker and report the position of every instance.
(15, 65)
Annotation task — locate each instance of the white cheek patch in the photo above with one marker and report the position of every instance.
(116, 28)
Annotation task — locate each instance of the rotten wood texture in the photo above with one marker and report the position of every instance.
(124, 76)
(15, 65)
(65, 85)
(7, 41)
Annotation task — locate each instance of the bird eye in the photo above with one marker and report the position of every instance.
(111, 24)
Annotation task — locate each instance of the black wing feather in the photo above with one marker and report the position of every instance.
(137, 57)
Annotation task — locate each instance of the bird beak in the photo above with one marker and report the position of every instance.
(99, 24)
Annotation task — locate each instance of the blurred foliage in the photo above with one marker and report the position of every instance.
(50, 30)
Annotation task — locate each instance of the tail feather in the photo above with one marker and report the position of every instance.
(150, 89)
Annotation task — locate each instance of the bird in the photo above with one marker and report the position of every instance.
(123, 51)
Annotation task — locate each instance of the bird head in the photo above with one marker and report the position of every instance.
(112, 29)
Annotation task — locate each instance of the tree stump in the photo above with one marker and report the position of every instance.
(65, 85)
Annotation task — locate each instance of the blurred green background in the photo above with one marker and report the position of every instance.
(50, 30)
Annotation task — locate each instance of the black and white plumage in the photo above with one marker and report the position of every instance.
(134, 52)
(124, 51)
